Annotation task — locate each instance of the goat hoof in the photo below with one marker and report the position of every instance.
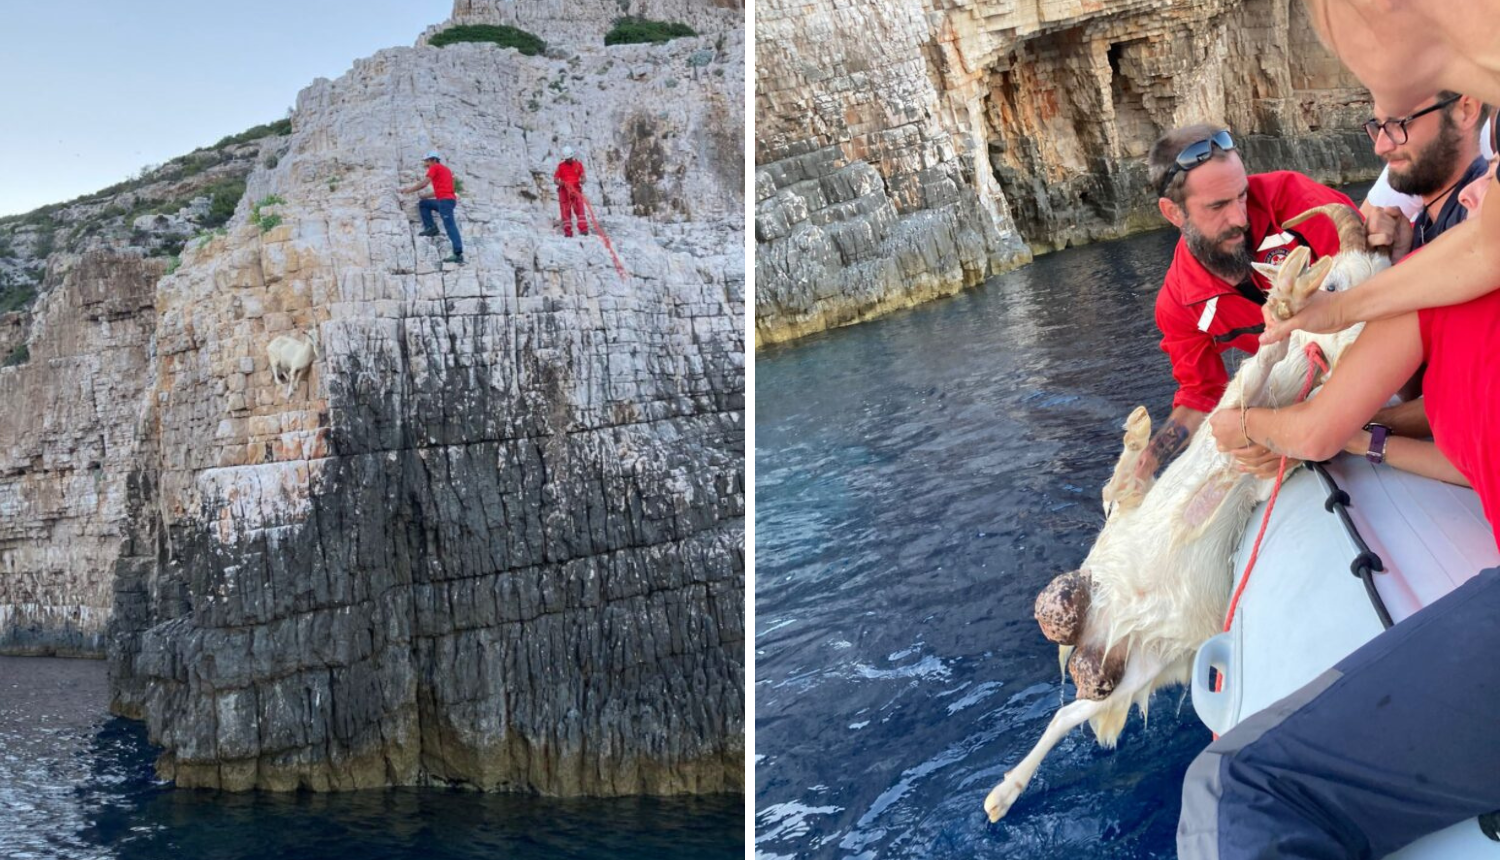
(1002, 796)
(1062, 607)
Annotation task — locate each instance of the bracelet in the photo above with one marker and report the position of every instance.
(1244, 426)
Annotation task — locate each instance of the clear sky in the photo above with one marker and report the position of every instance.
(96, 89)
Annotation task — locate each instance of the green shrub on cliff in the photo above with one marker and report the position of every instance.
(637, 31)
(279, 127)
(506, 37)
(18, 298)
(266, 222)
(19, 355)
(46, 243)
(224, 196)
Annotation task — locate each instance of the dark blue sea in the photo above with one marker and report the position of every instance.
(917, 480)
(77, 783)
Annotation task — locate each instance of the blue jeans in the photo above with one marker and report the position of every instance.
(445, 209)
(1396, 741)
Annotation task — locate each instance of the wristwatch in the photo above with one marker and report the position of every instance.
(1378, 435)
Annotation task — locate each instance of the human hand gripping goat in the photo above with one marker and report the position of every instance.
(1233, 438)
(1324, 313)
(1158, 578)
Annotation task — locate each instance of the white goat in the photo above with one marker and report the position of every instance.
(1157, 581)
(290, 358)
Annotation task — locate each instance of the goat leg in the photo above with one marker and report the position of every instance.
(1140, 673)
(1067, 718)
(1125, 487)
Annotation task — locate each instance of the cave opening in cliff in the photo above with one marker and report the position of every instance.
(1133, 124)
(1068, 119)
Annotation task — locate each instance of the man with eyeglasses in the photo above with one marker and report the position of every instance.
(1430, 154)
(1211, 298)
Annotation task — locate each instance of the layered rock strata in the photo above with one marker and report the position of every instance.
(495, 537)
(1018, 124)
(69, 442)
(866, 199)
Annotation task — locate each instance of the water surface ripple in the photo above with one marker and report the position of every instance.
(77, 783)
(918, 480)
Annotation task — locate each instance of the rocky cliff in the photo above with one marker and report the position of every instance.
(495, 537)
(910, 149)
(74, 365)
(69, 440)
(154, 212)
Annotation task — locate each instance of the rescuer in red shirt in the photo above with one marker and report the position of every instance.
(1210, 300)
(569, 179)
(443, 201)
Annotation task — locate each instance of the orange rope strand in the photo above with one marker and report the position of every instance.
(599, 229)
(1316, 362)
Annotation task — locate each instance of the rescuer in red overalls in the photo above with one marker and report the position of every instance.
(569, 178)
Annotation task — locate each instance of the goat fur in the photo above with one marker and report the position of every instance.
(290, 358)
(1161, 571)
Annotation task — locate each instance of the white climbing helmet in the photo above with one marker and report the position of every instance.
(432, 154)
(567, 152)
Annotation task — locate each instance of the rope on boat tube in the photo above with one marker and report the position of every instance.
(1367, 563)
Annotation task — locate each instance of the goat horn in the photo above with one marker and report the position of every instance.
(1344, 217)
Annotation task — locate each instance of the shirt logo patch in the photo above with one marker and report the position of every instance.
(1275, 257)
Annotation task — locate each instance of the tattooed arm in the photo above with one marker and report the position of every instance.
(1169, 441)
(1172, 439)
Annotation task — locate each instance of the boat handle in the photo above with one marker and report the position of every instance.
(1214, 707)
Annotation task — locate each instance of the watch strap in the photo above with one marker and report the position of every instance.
(1378, 435)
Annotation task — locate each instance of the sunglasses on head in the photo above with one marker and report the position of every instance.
(1195, 154)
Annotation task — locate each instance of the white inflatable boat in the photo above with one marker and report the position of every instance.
(1356, 541)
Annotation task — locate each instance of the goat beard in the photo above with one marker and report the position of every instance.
(1431, 169)
(1233, 265)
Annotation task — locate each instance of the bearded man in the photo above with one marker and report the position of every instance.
(1210, 301)
(1430, 154)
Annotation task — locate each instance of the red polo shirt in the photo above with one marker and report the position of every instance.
(1201, 315)
(442, 182)
(1462, 390)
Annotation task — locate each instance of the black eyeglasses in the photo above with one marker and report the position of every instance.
(1195, 154)
(1395, 129)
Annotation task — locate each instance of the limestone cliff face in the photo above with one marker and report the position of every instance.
(69, 442)
(906, 150)
(152, 214)
(495, 538)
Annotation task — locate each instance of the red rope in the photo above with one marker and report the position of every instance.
(1315, 362)
(599, 229)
